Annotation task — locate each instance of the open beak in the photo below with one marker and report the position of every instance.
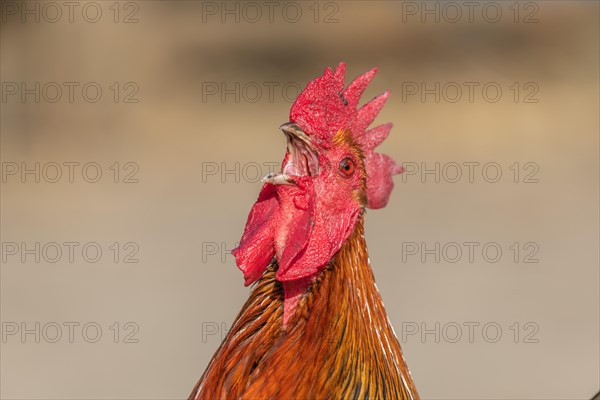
(303, 157)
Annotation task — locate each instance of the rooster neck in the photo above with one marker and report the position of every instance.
(338, 343)
(346, 288)
(344, 309)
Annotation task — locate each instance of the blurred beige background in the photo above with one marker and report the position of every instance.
(147, 329)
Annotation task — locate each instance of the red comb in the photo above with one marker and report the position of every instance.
(325, 107)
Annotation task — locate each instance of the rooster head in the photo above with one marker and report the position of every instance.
(329, 174)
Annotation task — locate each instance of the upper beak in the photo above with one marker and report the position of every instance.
(291, 128)
(303, 159)
(293, 131)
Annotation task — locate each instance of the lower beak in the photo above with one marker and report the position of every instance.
(278, 179)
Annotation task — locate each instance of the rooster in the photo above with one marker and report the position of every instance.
(314, 326)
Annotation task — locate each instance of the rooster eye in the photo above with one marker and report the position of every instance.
(347, 167)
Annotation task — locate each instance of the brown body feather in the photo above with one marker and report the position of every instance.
(339, 344)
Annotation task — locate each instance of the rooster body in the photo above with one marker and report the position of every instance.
(314, 326)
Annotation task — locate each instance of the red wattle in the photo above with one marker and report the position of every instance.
(256, 249)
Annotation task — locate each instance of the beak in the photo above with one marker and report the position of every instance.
(293, 132)
(303, 157)
(291, 128)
